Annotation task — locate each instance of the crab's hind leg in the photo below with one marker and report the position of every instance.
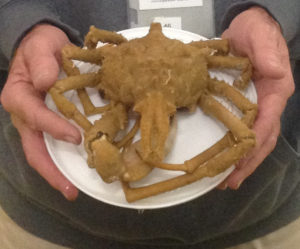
(230, 62)
(243, 139)
(221, 88)
(95, 35)
(191, 164)
(248, 109)
(212, 167)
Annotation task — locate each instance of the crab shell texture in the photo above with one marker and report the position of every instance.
(154, 76)
(134, 70)
(158, 73)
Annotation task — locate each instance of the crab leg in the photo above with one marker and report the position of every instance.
(221, 88)
(240, 63)
(191, 164)
(129, 136)
(222, 46)
(91, 55)
(211, 168)
(72, 52)
(88, 106)
(244, 139)
(66, 107)
(95, 35)
(239, 129)
(248, 109)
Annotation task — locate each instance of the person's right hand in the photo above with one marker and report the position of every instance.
(255, 34)
(34, 69)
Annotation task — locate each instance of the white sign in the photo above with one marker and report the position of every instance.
(169, 22)
(164, 4)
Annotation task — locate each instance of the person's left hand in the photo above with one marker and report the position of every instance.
(255, 34)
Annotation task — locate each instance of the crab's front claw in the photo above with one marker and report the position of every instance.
(155, 113)
(107, 160)
(113, 165)
(98, 143)
(136, 168)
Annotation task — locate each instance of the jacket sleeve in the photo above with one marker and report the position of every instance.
(286, 13)
(17, 17)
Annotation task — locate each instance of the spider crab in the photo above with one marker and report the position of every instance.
(154, 76)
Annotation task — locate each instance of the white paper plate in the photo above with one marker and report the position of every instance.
(195, 133)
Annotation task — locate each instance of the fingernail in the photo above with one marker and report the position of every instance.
(70, 139)
(69, 193)
(65, 192)
(239, 184)
(223, 186)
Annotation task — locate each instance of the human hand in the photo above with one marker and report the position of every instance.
(34, 69)
(255, 34)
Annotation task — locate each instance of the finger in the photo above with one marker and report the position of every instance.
(235, 180)
(43, 65)
(38, 158)
(239, 174)
(267, 132)
(223, 185)
(44, 72)
(30, 107)
(266, 128)
(268, 57)
(264, 45)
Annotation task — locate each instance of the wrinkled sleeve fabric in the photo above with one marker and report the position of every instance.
(286, 13)
(19, 16)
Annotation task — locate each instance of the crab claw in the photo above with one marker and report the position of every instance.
(136, 168)
(155, 113)
(107, 160)
(98, 143)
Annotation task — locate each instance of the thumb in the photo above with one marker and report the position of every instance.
(44, 70)
(264, 51)
(42, 64)
(267, 59)
(254, 33)
(41, 52)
